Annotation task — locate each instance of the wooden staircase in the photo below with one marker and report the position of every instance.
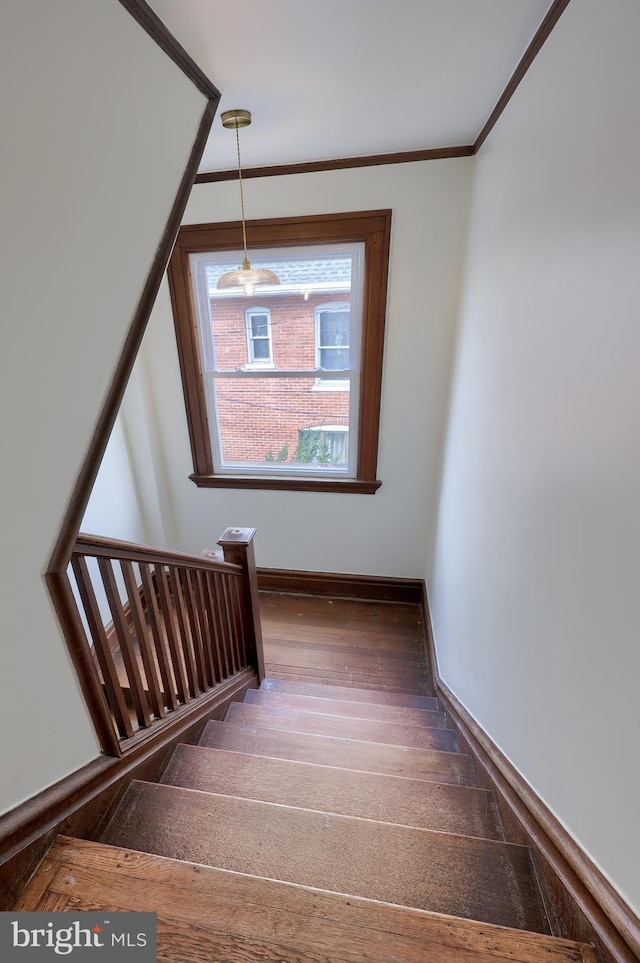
(317, 823)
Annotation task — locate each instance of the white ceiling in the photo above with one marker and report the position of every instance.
(346, 78)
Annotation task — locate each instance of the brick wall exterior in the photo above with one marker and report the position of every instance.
(259, 417)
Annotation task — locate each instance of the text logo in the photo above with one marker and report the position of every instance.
(100, 937)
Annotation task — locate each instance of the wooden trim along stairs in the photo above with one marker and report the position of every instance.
(580, 901)
(317, 822)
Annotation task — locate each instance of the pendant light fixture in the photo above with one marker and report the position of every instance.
(245, 276)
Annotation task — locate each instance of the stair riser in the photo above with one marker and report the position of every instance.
(364, 730)
(351, 694)
(450, 809)
(447, 767)
(471, 878)
(354, 710)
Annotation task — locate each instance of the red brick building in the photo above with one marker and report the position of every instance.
(267, 408)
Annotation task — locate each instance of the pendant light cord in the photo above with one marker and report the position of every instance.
(244, 229)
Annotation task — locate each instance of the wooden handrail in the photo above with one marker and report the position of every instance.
(179, 626)
(101, 547)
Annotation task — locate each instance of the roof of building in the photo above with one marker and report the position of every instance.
(297, 274)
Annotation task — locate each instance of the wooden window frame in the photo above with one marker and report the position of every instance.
(371, 227)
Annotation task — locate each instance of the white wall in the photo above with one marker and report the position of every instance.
(535, 587)
(383, 534)
(97, 126)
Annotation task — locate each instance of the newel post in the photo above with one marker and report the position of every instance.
(237, 545)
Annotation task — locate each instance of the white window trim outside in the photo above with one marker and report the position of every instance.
(325, 383)
(253, 362)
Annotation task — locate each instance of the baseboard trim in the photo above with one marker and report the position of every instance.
(366, 587)
(78, 804)
(581, 903)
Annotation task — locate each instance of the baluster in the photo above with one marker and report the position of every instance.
(184, 631)
(125, 642)
(189, 593)
(212, 604)
(166, 609)
(169, 694)
(205, 625)
(227, 626)
(112, 685)
(142, 634)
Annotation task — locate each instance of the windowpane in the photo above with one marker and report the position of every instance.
(259, 326)
(260, 428)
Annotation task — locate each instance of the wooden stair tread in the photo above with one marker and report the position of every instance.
(351, 693)
(253, 919)
(451, 767)
(458, 875)
(434, 718)
(417, 684)
(409, 802)
(366, 730)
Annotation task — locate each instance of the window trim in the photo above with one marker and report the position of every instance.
(253, 362)
(371, 227)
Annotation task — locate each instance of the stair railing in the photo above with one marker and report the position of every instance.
(164, 629)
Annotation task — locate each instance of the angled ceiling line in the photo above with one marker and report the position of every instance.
(541, 35)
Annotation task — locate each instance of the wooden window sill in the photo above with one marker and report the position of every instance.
(354, 486)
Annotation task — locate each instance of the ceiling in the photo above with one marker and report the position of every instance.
(346, 78)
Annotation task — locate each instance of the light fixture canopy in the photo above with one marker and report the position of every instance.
(245, 276)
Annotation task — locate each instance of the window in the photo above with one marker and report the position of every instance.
(258, 321)
(333, 333)
(324, 444)
(284, 393)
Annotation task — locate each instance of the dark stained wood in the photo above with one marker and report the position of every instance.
(184, 633)
(174, 645)
(79, 803)
(80, 496)
(350, 693)
(365, 730)
(338, 163)
(551, 18)
(217, 651)
(139, 626)
(582, 904)
(226, 618)
(347, 642)
(371, 227)
(157, 634)
(125, 642)
(101, 647)
(252, 919)
(189, 589)
(56, 577)
(433, 718)
(206, 632)
(409, 802)
(158, 32)
(351, 485)
(473, 878)
(237, 545)
(100, 546)
(435, 766)
(336, 585)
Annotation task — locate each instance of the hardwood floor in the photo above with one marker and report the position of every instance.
(330, 818)
(370, 645)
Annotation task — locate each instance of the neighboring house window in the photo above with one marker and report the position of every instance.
(324, 444)
(258, 321)
(333, 332)
(251, 372)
